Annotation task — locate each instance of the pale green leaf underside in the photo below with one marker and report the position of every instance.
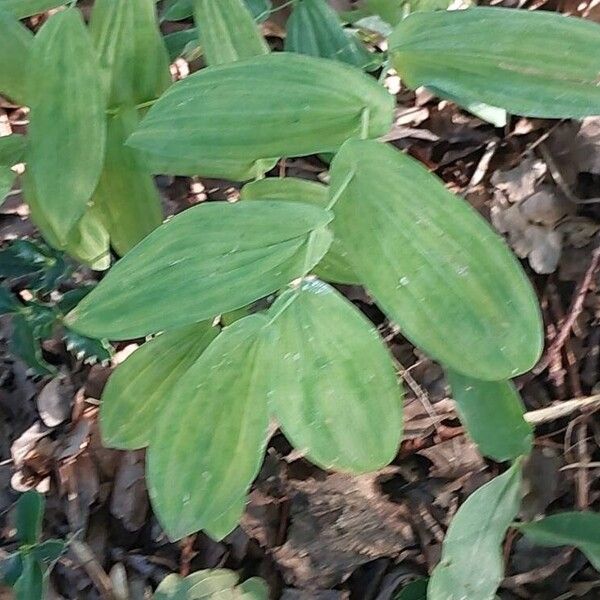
(210, 259)
(227, 31)
(333, 266)
(579, 529)
(209, 442)
(471, 565)
(67, 128)
(333, 384)
(143, 385)
(534, 63)
(492, 412)
(433, 263)
(223, 118)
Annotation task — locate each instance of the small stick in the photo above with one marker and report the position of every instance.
(562, 409)
(574, 311)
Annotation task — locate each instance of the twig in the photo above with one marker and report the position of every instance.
(562, 409)
(574, 312)
(93, 568)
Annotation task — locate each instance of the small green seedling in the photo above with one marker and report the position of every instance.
(26, 570)
(211, 584)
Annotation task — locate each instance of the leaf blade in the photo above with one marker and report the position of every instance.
(471, 565)
(138, 388)
(67, 126)
(450, 51)
(434, 259)
(333, 386)
(579, 529)
(232, 271)
(278, 104)
(15, 40)
(492, 412)
(333, 266)
(190, 490)
(227, 31)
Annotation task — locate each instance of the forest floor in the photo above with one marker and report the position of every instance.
(324, 536)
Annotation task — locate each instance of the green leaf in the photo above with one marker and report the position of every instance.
(433, 264)
(333, 266)
(25, 344)
(11, 568)
(172, 587)
(492, 412)
(221, 120)
(502, 57)
(203, 584)
(315, 29)
(179, 43)
(49, 551)
(416, 590)
(30, 585)
(12, 148)
(209, 443)
(15, 41)
(254, 589)
(227, 31)
(26, 8)
(126, 196)
(88, 241)
(30, 512)
(333, 384)
(139, 388)
(7, 178)
(210, 259)
(8, 303)
(43, 267)
(132, 55)
(91, 350)
(471, 565)
(579, 529)
(67, 122)
(223, 525)
(260, 9)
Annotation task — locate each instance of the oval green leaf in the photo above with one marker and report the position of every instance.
(67, 128)
(221, 120)
(26, 8)
(30, 585)
(88, 241)
(15, 41)
(333, 266)
(492, 412)
(209, 443)
(210, 259)
(139, 388)
(12, 149)
(579, 529)
(30, 513)
(533, 63)
(433, 264)
(315, 29)
(333, 384)
(126, 196)
(227, 31)
(471, 565)
(132, 54)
